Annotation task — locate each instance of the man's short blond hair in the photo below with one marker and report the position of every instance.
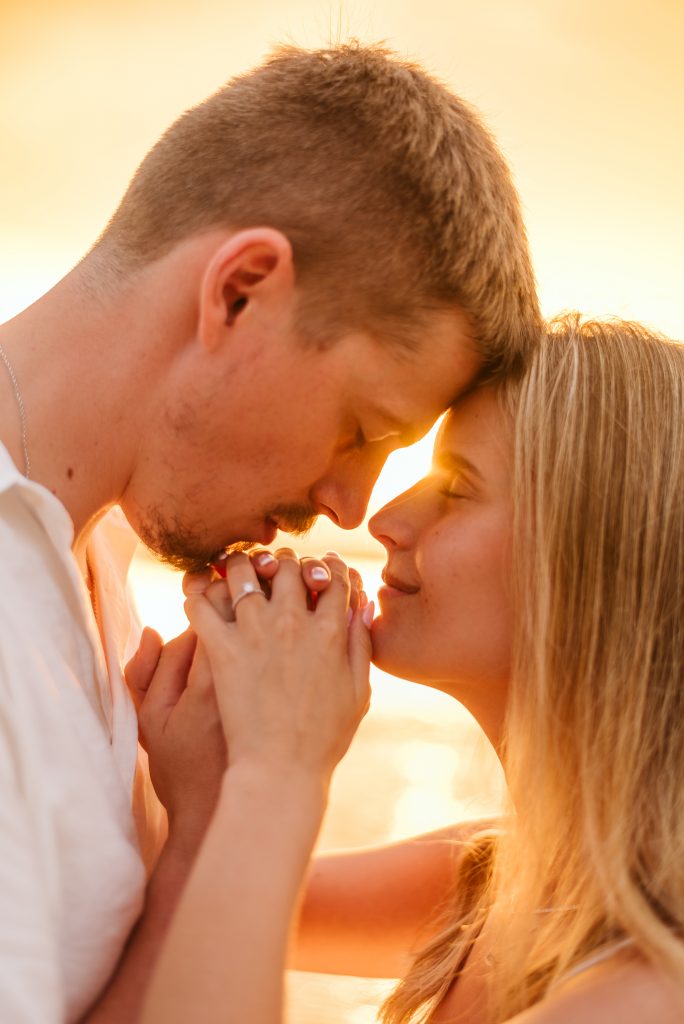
(394, 196)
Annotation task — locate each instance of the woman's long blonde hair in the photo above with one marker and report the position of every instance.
(594, 748)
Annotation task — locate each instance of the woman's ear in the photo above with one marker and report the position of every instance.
(250, 269)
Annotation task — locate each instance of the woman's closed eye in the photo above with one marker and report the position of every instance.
(454, 487)
(456, 476)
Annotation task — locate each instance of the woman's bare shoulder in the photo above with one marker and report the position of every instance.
(626, 989)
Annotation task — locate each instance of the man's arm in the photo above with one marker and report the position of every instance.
(181, 731)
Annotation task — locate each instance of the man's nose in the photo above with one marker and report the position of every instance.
(346, 509)
(344, 498)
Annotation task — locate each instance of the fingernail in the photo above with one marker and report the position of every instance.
(265, 558)
(197, 584)
(368, 613)
(333, 554)
(350, 616)
(363, 599)
(319, 572)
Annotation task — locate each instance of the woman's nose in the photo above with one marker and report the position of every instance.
(396, 523)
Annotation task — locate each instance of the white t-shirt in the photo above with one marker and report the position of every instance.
(78, 822)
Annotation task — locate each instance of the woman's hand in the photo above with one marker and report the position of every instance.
(315, 574)
(291, 683)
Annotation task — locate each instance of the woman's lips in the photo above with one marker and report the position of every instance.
(395, 587)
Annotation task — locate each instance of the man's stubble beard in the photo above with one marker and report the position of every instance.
(176, 545)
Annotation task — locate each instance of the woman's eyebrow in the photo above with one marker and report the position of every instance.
(451, 461)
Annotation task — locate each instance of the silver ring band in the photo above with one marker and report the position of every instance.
(246, 590)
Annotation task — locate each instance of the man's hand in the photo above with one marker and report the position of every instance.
(180, 730)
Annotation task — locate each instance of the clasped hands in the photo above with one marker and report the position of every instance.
(280, 684)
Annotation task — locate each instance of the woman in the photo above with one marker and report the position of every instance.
(537, 575)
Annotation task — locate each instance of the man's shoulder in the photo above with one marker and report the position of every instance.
(30, 553)
(31, 519)
(39, 599)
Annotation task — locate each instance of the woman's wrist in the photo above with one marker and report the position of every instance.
(271, 781)
(282, 803)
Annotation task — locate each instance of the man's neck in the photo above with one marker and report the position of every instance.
(93, 359)
(77, 393)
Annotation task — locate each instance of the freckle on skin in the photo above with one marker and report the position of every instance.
(70, 472)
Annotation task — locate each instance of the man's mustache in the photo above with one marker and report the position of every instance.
(297, 519)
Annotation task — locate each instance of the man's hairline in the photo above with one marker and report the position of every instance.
(107, 261)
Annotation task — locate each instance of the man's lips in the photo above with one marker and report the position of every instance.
(265, 535)
(395, 585)
(269, 531)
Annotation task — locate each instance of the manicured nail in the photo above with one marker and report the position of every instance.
(264, 558)
(319, 572)
(368, 613)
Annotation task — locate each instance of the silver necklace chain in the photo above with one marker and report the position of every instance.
(22, 412)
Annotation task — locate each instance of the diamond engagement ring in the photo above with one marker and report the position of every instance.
(245, 590)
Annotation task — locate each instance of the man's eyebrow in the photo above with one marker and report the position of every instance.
(451, 461)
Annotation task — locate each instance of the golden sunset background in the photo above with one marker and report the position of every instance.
(587, 101)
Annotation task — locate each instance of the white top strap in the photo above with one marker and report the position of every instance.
(591, 961)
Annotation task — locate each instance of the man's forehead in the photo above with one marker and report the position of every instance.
(407, 414)
(445, 361)
(405, 388)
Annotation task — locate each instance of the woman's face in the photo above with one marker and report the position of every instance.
(446, 611)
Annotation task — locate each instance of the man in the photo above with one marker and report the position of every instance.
(304, 272)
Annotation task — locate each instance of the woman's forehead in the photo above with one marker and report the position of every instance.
(474, 424)
(476, 410)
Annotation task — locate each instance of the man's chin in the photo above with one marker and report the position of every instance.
(183, 549)
(185, 560)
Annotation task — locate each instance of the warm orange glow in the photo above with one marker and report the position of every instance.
(587, 101)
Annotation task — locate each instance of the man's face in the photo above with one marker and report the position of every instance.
(292, 432)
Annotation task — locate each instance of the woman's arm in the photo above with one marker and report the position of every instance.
(367, 912)
(292, 686)
(224, 956)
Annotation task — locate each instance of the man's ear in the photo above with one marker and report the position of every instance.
(250, 269)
